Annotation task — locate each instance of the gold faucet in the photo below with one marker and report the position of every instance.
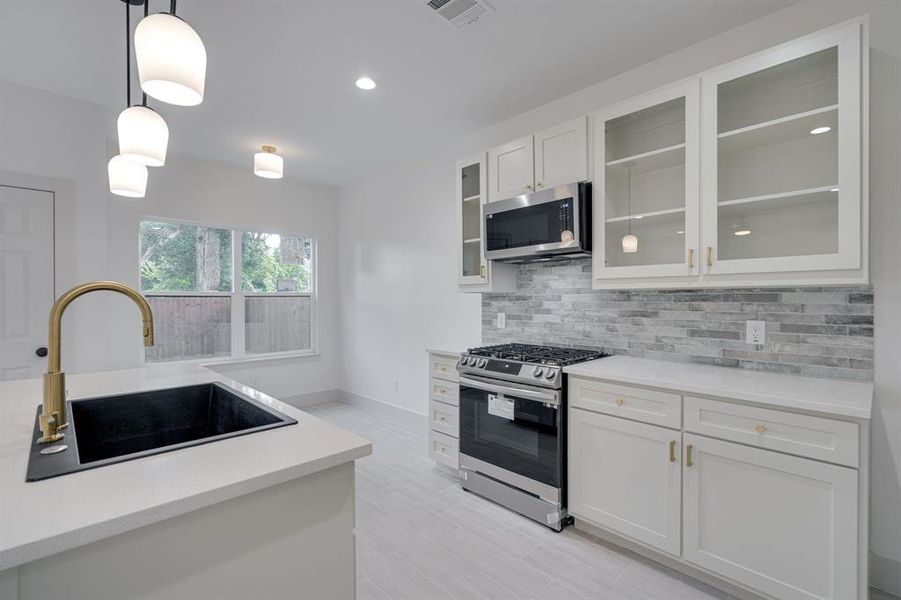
(53, 413)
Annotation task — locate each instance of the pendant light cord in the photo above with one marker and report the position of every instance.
(127, 55)
(146, 12)
(171, 7)
(629, 195)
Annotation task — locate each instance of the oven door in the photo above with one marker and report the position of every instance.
(540, 224)
(517, 428)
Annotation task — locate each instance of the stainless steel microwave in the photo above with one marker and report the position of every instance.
(553, 223)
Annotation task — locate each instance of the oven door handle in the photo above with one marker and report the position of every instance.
(536, 395)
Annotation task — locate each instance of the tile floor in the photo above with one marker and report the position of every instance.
(420, 537)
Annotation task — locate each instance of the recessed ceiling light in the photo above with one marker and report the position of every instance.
(366, 83)
(680, 232)
(819, 130)
(743, 231)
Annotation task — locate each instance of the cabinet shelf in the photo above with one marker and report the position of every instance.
(472, 240)
(776, 131)
(472, 198)
(653, 160)
(781, 195)
(652, 214)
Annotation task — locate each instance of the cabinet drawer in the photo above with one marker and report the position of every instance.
(444, 418)
(814, 437)
(443, 367)
(648, 406)
(445, 391)
(444, 449)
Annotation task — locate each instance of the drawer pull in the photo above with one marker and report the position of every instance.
(442, 418)
(620, 401)
(442, 391)
(672, 451)
(691, 258)
(760, 428)
(688, 461)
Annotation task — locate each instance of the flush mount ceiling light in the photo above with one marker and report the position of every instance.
(630, 242)
(171, 58)
(126, 177)
(268, 164)
(819, 130)
(366, 83)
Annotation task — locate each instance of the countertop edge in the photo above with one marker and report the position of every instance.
(32, 551)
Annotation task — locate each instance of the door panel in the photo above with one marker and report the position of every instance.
(511, 169)
(781, 524)
(561, 154)
(626, 476)
(26, 279)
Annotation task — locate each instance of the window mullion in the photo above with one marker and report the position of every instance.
(237, 311)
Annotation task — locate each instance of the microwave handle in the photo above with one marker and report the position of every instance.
(551, 397)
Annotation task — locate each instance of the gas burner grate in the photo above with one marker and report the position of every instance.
(545, 355)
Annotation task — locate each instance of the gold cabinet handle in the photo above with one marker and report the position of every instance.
(528, 186)
(691, 258)
(709, 256)
(540, 184)
(442, 391)
(482, 271)
(620, 401)
(688, 461)
(760, 428)
(672, 451)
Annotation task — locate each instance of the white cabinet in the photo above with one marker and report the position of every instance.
(761, 182)
(777, 505)
(444, 412)
(626, 476)
(779, 524)
(647, 185)
(555, 156)
(782, 152)
(474, 273)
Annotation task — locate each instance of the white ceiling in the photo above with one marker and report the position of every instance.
(282, 72)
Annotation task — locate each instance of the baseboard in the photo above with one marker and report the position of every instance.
(352, 397)
(885, 574)
(311, 398)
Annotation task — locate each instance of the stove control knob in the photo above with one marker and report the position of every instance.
(550, 374)
(467, 360)
(537, 371)
(482, 362)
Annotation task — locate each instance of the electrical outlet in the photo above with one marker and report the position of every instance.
(756, 332)
(501, 320)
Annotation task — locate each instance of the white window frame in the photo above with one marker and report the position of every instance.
(238, 353)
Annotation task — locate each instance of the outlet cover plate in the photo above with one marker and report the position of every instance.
(501, 320)
(756, 332)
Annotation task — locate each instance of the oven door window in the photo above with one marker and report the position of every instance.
(516, 434)
(546, 223)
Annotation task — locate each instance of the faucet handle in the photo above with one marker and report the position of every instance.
(42, 351)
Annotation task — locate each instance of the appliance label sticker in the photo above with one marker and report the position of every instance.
(500, 407)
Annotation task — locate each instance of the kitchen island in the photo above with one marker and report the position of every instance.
(269, 514)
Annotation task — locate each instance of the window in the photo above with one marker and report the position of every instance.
(214, 298)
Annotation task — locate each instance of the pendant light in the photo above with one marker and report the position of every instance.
(127, 178)
(268, 164)
(171, 59)
(630, 242)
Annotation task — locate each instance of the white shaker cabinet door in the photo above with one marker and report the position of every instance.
(561, 154)
(626, 477)
(783, 525)
(511, 169)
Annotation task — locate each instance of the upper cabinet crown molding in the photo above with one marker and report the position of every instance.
(555, 156)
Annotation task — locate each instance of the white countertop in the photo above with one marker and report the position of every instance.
(41, 518)
(834, 397)
(434, 350)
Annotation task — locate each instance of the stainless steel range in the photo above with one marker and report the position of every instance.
(513, 426)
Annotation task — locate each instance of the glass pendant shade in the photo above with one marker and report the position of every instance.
(630, 244)
(268, 164)
(127, 178)
(171, 60)
(143, 136)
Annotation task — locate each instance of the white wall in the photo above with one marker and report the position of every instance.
(57, 143)
(382, 213)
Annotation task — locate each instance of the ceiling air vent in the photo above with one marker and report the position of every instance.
(460, 13)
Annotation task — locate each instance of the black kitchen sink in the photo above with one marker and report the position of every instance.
(114, 429)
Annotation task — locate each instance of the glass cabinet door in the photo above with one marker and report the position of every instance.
(782, 158)
(472, 268)
(646, 186)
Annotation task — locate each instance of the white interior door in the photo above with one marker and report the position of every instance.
(784, 525)
(626, 476)
(561, 154)
(26, 279)
(511, 169)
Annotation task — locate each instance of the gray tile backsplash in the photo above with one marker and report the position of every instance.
(816, 331)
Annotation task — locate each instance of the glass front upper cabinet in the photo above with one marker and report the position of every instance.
(646, 186)
(472, 268)
(781, 157)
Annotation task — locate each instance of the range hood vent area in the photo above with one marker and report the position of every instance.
(459, 13)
